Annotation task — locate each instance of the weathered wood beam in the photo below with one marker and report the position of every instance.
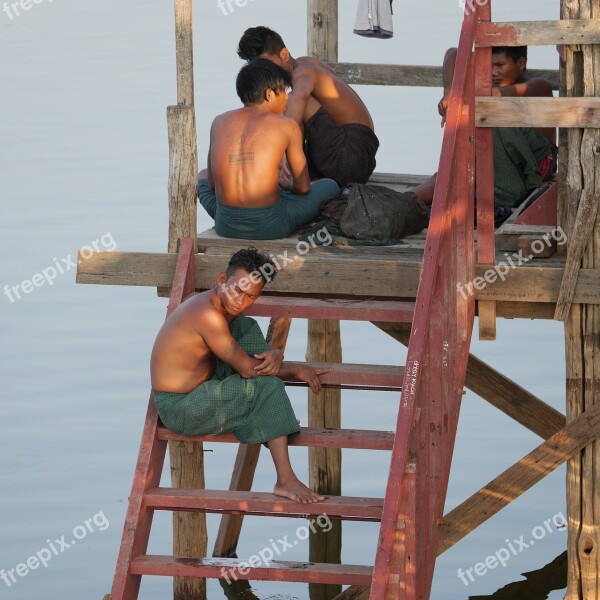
(323, 29)
(519, 478)
(497, 389)
(184, 51)
(409, 75)
(337, 276)
(538, 33)
(537, 112)
(325, 464)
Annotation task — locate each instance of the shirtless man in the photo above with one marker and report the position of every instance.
(213, 373)
(240, 188)
(514, 148)
(340, 139)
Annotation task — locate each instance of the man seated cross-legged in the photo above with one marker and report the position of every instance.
(240, 188)
(213, 373)
(523, 157)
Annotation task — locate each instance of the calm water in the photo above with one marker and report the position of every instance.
(84, 159)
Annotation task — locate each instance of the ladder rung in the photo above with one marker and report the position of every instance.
(219, 568)
(344, 375)
(310, 436)
(262, 504)
(339, 310)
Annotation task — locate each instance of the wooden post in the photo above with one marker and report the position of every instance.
(183, 174)
(582, 326)
(325, 464)
(324, 345)
(187, 458)
(323, 30)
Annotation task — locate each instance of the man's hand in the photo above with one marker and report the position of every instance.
(285, 175)
(443, 108)
(271, 364)
(311, 376)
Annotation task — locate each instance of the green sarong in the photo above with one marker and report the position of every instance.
(254, 410)
(517, 154)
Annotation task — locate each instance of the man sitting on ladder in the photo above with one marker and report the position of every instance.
(523, 157)
(213, 373)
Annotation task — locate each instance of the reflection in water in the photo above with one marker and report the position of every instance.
(537, 584)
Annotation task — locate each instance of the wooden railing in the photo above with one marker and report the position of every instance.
(437, 358)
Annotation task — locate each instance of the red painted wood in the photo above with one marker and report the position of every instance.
(262, 504)
(292, 572)
(494, 34)
(486, 251)
(387, 571)
(151, 456)
(309, 436)
(346, 374)
(544, 211)
(340, 310)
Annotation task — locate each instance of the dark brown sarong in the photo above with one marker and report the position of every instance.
(344, 153)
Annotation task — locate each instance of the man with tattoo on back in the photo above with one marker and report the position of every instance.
(240, 188)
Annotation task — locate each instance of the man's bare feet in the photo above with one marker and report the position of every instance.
(295, 490)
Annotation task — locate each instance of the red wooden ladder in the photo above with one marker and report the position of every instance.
(147, 497)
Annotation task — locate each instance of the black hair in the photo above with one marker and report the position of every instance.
(258, 76)
(259, 40)
(513, 52)
(253, 262)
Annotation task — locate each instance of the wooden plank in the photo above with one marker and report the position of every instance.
(325, 464)
(348, 374)
(538, 33)
(326, 276)
(507, 236)
(342, 310)
(529, 245)
(538, 112)
(543, 211)
(497, 389)
(291, 572)
(356, 592)
(516, 480)
(309, 436)
(346, 508)
(410, 75)
(402, 179)
(584, 227)
(323, 29)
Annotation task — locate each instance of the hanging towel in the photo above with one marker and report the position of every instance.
(374, 19)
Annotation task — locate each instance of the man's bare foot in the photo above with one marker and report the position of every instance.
(295, 490)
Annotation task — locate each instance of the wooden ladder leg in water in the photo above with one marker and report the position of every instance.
(247, 459)
(138, 521)
(325, 464)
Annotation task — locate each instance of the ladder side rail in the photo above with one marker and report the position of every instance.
(151, 456)
(418, 343)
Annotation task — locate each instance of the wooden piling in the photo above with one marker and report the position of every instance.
(582, 326)
(325, 464)
(186, 458)
(324, 345)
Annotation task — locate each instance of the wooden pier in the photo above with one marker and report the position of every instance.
(413, 293)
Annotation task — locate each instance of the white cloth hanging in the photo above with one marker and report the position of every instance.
(374, 19)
